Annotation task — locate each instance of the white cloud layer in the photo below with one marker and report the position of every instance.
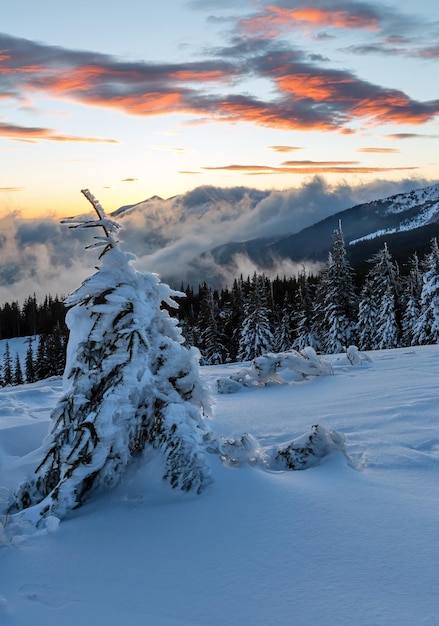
(168, 236)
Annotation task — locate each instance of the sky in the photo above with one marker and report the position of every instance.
(132, 101)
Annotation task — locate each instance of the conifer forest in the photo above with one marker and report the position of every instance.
(387, 307)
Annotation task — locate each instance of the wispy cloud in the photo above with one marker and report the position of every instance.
(274, 19)
(34, 133)
(388, 48)
(285, 148)
(173, 149)
(310, 168)
(379, 150)
(389, 31)
(410, 136)
(8, 189)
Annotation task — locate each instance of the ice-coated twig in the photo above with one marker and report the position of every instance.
(109, 226)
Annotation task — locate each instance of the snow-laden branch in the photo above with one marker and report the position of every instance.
(109, 226)
(268, 368)
(299, 454)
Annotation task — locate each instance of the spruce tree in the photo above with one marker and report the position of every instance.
(130, 388)
(306, 332)
(7, 366)
(17, 377)
(233, 318)
(339, 301)
(284, 336)
(367, 316)
(212, 343)
(29, 364)
(387, 327)
(379, 323)
(42, 362)
(426, 330)
(411, 301)
(256, 335)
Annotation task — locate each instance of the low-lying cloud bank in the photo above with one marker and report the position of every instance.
(42, 256)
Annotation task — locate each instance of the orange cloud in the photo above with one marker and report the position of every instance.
(33, 134)
(285, 148)
(324, 17)
(304, 96)
(322, 167)
(275, 19)
(354, 99)
(7, 189)
(318, 87)
(272, 116)
(317, 163)
(379, 150)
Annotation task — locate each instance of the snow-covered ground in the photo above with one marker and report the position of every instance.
(331, 545)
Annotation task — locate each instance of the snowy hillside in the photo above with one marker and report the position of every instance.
(426, 200)
(351, 541)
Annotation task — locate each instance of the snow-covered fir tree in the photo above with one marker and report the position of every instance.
(7, 377)
(306, 332)
(411, 301)
(381, 288)
(233, 317)
(256, 336)
(387, 326)
(338, 299)
(284, 336)
(367, 316)
(42, 361)
(212, 343)
(30, 373)
(17, 377)
(131, 390)
(427, 326)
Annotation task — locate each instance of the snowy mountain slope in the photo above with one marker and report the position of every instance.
(418, 208)
(396, 214)
(330, 545)
(213, 230)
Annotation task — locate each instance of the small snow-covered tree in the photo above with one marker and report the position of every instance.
(212, 342)
(387, 329)
(338, 299)
(7, 366)
(30, 365)
(367, 316)
(256, 333)
(378, 321)
(17, 378)
(131, 388)
(284, 336)
(306, 331)
(411, 301)
(426, 330)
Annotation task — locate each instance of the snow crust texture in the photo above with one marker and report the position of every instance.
(330, 545)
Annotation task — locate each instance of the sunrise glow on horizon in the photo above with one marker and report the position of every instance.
(132, 104)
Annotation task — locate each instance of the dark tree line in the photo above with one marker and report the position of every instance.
(32, 317)
(387, 307)
(45, 357)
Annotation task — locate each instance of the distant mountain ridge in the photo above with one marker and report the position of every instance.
(365, 226)
(406, 221)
